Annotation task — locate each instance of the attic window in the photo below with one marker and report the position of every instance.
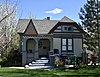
(67, 28)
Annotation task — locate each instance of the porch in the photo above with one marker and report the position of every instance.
(35, 47)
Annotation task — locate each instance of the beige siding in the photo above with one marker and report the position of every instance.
(78, 47)
(57, 44)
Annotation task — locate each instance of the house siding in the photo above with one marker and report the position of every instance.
(57, 44)
(77, 46)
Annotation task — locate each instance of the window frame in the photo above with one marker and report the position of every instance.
(63, 45)
(70, 45)
(67, 50)
(67, 28)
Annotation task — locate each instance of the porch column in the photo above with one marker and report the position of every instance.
(51, 43)
(24, 52)
(36, 44)
(36, 54)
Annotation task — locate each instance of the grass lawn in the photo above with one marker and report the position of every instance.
(82, 72)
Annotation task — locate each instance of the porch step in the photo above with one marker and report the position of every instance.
(40, 63)
(39, 67)
(37, 64)
(43, 58)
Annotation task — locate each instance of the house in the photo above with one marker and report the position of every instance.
(39, 37)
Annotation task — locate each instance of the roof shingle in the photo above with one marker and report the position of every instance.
(42, 26)
(22, 25)
(66, 19)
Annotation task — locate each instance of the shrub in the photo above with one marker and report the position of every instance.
(3, 60)
(58, 62)
(12, 59)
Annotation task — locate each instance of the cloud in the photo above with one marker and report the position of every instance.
(55, 11)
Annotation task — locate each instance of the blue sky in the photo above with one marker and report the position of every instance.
(56, 9)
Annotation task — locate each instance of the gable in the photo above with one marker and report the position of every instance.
(66, 19)
(66, 28)
(63, 27)
(30, 30)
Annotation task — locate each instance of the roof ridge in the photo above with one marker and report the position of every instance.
(66, 19)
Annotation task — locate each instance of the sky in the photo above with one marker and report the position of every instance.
(55, 9)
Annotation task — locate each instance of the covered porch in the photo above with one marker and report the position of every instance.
(35, 47)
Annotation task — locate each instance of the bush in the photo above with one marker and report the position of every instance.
(12, 59)
(58, 62)
(3, 60)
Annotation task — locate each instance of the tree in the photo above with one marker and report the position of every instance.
(90, 15)
(8, 35)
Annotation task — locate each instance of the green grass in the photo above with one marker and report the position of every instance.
(82, 72)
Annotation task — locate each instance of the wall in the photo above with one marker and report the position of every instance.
(78, 47)
(57, 44)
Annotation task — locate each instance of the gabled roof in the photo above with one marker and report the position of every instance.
(42, 26)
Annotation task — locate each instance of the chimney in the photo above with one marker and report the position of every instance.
(48, 18)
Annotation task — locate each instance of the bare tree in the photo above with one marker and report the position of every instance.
(7, 26)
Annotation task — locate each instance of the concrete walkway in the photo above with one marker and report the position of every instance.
(36, 67)
(17, 67)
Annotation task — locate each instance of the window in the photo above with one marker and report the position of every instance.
(67, 28)
(64, 48)
(64, 44)
(67, 44)
(63, 41)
